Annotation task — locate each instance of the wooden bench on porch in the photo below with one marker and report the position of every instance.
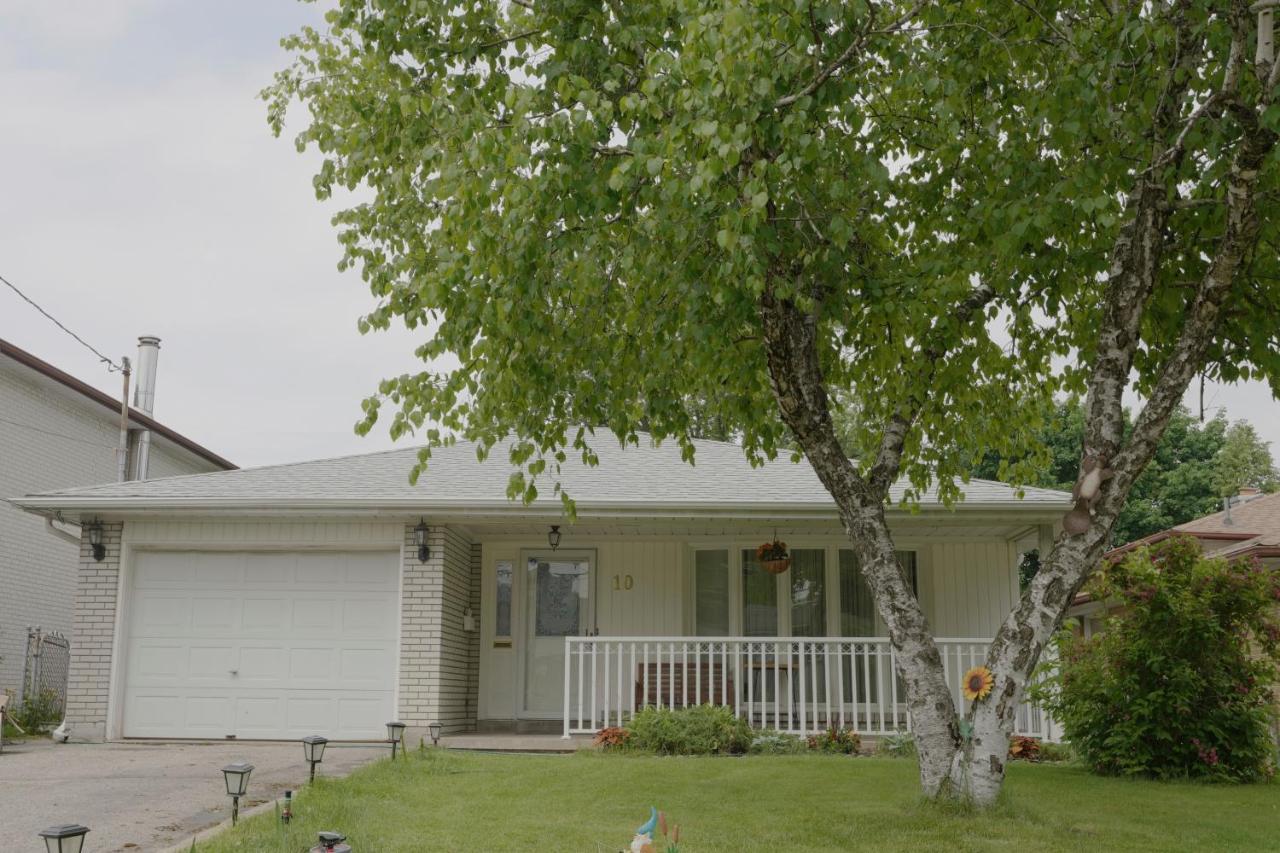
(677, 684)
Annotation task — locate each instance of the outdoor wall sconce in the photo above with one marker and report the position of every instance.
(395, 733)
(237, 779)
(331, 842)
(64, 838)
(313, 751)
(94, 529)
(420, 539)
(434, 730)
(553, 537)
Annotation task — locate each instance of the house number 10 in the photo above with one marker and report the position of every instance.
(621, 582)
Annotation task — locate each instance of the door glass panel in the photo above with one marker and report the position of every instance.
(561, 594)
(759, 598)
(711, 593)
(502, 618)
(808, 593)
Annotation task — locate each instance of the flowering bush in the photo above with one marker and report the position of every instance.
(836, 740)
(1179, 684)
(1024, 748)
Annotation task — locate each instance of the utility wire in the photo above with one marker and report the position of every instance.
(111, 365)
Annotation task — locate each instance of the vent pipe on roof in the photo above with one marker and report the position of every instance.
(144, 398)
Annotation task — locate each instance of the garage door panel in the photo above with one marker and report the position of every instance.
(277, 645)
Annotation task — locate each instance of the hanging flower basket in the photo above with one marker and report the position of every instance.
(773, 557)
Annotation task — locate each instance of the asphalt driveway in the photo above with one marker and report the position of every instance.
(144, 796)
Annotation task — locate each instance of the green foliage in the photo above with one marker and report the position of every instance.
(1244, 460)
(1179, 684)
(842, 741)
(696, 730)
(39, 713)
(897, 745)
(1194, 463)
(769, 742)
(1023, 748)
(583, 204)
(1059, 752)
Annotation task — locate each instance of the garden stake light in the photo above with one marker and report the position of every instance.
(313, 751)
(287, 814)
(237, 779)
(64, 838)
(395, 731)
(331, 842)
(434, 729)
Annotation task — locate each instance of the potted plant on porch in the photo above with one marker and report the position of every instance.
(773, 557)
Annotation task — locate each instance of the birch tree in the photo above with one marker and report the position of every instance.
(597, 212)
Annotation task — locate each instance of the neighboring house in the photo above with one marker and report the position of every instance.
(1248, 527)
(57, 432)
(290, 600)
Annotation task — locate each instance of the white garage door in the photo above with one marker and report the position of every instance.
(261, 645)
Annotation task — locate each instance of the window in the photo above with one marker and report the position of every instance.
(808, 593)
(857, 607)
(502, 618)
(759, 598)
(711, 593)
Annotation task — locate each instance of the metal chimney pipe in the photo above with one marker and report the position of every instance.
(144, 397)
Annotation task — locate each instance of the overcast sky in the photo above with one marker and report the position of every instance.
(142, 193)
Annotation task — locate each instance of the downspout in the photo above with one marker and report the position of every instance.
(144, 399)
(59, 532)
(122, 452)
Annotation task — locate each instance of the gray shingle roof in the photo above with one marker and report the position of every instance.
(626, 477)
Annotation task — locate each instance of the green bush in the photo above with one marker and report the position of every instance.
(697, 730)
(898, 745)
(39, 713)
(769, 742)
(1056, 751)
(1179, 684)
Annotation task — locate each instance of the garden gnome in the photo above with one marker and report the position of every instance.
(643, 842)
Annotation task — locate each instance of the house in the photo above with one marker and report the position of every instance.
(329, 597)
(55, 432)
(1247, 527)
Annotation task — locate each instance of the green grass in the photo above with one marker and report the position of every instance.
(591, 802)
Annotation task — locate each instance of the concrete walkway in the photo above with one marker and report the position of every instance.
(144, 796)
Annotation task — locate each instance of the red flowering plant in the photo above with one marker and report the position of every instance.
(1024, 748)
(612, 737)
(775, 550)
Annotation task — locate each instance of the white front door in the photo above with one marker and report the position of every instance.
(558, 604)
(261, 645)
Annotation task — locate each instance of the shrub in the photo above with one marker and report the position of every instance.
(836, 740)
(776, 743)
(898, 745)
(1056, 751)
(612, 737)
(696, 730)
(1179, 685)
(39, 713)
(1023, 748)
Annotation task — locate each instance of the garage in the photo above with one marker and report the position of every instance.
(261, 645)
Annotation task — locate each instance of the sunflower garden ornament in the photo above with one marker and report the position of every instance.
(978, 683)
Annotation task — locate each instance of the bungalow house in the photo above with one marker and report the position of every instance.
(329, 597)
(56, 432)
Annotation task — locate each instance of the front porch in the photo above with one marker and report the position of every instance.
(798, 685)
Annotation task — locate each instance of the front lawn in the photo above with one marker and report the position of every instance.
(592, 802)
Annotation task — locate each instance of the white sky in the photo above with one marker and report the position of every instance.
(141, 192)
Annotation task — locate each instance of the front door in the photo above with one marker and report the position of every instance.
(558, 604)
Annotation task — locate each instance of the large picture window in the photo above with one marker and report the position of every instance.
(857, 607)
(807, 582)
(759, 598)
(711, 593)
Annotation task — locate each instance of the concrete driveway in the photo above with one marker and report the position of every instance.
(144, 796)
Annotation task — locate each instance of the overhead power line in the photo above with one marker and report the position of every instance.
(111, 365)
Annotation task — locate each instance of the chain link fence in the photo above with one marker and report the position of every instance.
(44, 678)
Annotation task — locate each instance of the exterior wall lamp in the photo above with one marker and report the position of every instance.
(94, 530)
(420, 539)
(553, 537)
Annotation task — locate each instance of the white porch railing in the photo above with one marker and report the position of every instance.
(795, 684)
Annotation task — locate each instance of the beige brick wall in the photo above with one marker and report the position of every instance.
(439, 659)
(89, 681)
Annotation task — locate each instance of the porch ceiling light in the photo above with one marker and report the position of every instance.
(553, 537)
(94, 529)
(313, 751)
(395, 734)
(434, 730)
(64, 838)
(237, 778)
(420, 539)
